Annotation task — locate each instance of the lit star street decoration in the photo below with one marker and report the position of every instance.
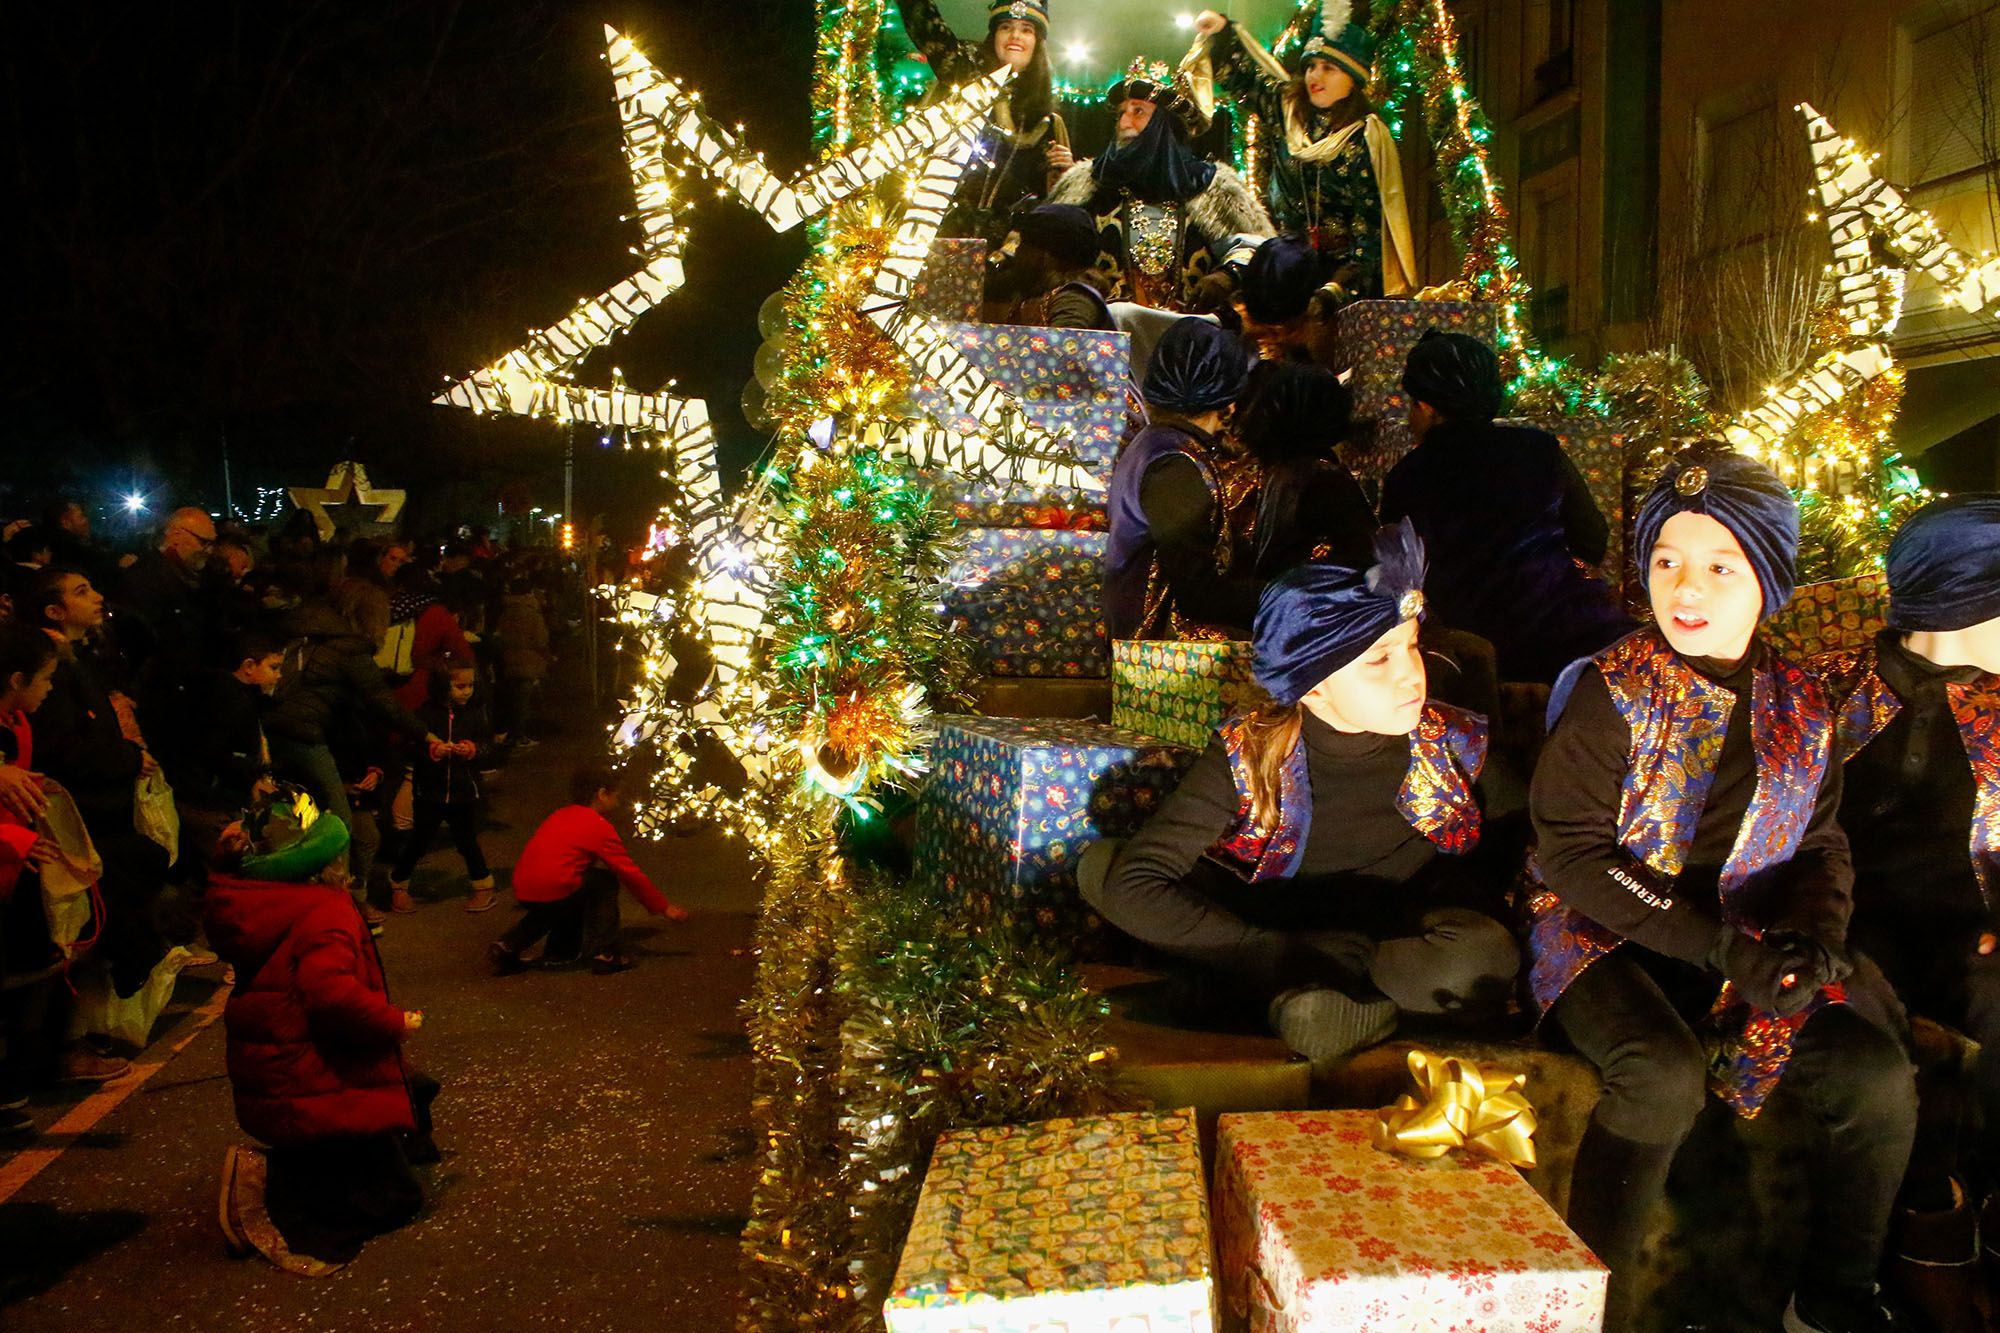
(1859, 207)
(346, 484)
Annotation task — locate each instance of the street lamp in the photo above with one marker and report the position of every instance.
(135, 503)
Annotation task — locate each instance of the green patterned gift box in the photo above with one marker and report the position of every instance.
(1097, 1225)
(1180, 691)
(1821, 617)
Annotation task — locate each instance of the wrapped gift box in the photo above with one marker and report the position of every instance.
(1032, 601)
(978, 505)
(1821, 617)
(1012, 802)
(1597, 446)
(1180, 691)
(952, 284)
(1097, 1225)
(1070, 382)
(1318, 1230)
(1372, 339)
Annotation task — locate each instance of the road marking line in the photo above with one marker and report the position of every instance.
(25, 1165)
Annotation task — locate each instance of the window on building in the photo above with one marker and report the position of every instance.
(1753, 176)
(1955, 98)
(1551, 52)
(1550, 252)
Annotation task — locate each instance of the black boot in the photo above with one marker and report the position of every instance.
(1844, 1310)
(1615, 1187)
(1934, 1264)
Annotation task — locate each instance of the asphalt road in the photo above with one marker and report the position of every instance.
(597, 1150)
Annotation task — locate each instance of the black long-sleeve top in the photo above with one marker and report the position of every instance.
(1907, 809)
(1362, 862)
(79, 743)
(1578, 784)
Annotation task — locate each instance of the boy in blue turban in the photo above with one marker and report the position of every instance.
(1918, 734)
(1317, 862)
(1691, 889)
(1168, 560)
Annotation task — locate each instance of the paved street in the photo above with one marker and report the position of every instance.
(597, 1153)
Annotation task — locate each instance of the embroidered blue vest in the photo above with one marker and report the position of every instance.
(1864, 704)
(1679, 720)
(1447, 750)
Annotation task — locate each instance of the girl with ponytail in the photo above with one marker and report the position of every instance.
(1316, 860)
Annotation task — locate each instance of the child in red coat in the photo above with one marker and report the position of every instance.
(568, 877)
(314, 1049)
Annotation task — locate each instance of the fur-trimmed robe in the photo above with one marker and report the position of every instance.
(1226, 208)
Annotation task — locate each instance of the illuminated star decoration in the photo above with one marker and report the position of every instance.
(1858, 207)
(346, 484)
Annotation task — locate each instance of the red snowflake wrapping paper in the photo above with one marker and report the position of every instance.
(1319, 1232)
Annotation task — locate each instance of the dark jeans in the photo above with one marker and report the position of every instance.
(518, 699)
(463, 819)
(1938, 977)
(582, 925)
(327, 1198)
(1630, 1014)
(135, 873)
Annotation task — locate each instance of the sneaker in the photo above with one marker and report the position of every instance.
(373, 915)
(606, 964)
(1843, 1310)
(200, 957)
(400, 901)
(525, 744)
(505, 961)
(233, 1238)
(16, 1125)
(13, 1101)
(84, 1066)
(483, 898)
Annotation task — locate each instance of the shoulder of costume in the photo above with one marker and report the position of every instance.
(1797, 679)
(1228, 207)
(1842, 671)
(1074, 186)
(1463, 731)
(1638, 646)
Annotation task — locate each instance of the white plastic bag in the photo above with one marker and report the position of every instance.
(153, 814)
(100, 1010)
(67, 880)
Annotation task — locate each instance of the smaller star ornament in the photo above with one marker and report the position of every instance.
(346, 486)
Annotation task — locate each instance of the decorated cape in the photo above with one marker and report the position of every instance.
(1343, 190)
(1864, 705)
(1447, 751)
(1678, 721)
(1154, 253)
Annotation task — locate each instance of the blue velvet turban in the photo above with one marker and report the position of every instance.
(1944, 565)
(1455, 373)
(1197, 367)
(1739, 493)
(1319, 617)
(1280, 279)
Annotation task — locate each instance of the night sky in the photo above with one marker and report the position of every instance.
(287, 225)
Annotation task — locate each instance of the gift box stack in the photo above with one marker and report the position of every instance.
(1012, 802)
(1821, 617)
(1031, 600)
(1372, 339)
(952, 283)
(1180, 691)
(1030, 588)
(1095, 1225)
(1318, 1229)
(1597, 446)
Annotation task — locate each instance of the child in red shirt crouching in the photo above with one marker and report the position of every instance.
(568, 877)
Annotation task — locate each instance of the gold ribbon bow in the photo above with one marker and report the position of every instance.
(1460, 1104)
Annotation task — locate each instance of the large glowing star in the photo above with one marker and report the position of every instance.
(346, 484)
(1860, 209)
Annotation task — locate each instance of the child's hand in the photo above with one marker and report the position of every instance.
(675, 912)
(466, 749)
(438, 749)
(412, 1019)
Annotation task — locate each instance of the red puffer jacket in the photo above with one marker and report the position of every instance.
(315, 1046)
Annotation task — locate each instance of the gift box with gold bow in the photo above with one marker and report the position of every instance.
(1318, 1227)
